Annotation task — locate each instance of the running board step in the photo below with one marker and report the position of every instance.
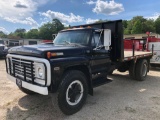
(100, 81)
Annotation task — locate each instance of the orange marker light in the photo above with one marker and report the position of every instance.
(48, 55)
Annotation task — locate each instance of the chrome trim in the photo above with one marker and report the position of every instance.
(34, 59)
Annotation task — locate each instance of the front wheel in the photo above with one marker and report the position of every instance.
(72, 92)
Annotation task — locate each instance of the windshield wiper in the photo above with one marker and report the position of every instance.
(67, 42)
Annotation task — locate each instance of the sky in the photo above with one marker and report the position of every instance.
(31, 14)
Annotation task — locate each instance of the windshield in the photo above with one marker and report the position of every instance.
(1, 42)
(75, 37)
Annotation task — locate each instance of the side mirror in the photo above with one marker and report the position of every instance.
(107, 38)
(54, 36)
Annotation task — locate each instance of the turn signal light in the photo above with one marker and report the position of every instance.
(48, 55)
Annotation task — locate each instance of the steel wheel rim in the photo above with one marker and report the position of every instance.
(144, 70)
(74, 93)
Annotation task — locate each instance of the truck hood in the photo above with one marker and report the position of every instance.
(42, 49)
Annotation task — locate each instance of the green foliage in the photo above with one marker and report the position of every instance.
(46, 30)
(2, 35)
(157, 25)
(138, 25)
(149, 25)
(32, 34)
(20, 32)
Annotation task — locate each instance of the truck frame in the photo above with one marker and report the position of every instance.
(79, 60)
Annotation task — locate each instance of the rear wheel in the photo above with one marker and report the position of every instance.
(72, 92)
(132, 70)
(141, 69)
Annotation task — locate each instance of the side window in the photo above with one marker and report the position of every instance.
(95, 40)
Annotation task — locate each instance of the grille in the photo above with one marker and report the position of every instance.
(22, 69)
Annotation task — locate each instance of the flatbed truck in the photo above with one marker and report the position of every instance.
(79, 59)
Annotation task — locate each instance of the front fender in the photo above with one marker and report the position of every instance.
(59, 65)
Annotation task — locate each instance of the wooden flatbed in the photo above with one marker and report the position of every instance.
(128, 55)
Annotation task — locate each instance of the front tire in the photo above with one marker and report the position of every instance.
(72, 92)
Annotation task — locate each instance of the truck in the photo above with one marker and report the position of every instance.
(79, 59)
(3, 49)
(145, 44)
(155, 60)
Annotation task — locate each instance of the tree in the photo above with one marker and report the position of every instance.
(124, 24)
(58, 25)
(46, 30)
(19, 33)
(157, 25)
(2, 35)
(137, 27)
(32, 34)
(149, 26)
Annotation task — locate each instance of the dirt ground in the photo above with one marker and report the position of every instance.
(123, 99)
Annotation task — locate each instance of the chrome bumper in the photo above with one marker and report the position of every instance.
(35, 88)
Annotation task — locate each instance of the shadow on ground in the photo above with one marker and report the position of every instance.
(35, 107)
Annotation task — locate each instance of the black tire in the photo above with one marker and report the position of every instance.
(141, 69)
(69, 78)
(26, 91)
(132, 71)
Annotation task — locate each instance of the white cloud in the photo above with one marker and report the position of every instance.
(90, 2)
(89, 20)
(20, 5)
(20, 11)
(62, 17)
(65, 24)
(4, 30)
(154, 16)
(107, 7)
(28, 21)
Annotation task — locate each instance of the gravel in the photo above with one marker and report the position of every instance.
(122, 99)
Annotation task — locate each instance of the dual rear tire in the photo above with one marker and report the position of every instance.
(139, 70)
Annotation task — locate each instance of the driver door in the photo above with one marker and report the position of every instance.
(99, 61)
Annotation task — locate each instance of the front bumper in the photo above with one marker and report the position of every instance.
(35, 88)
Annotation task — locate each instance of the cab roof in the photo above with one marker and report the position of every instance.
(74, 29)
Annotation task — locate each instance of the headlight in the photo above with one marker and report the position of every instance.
(39, 70)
